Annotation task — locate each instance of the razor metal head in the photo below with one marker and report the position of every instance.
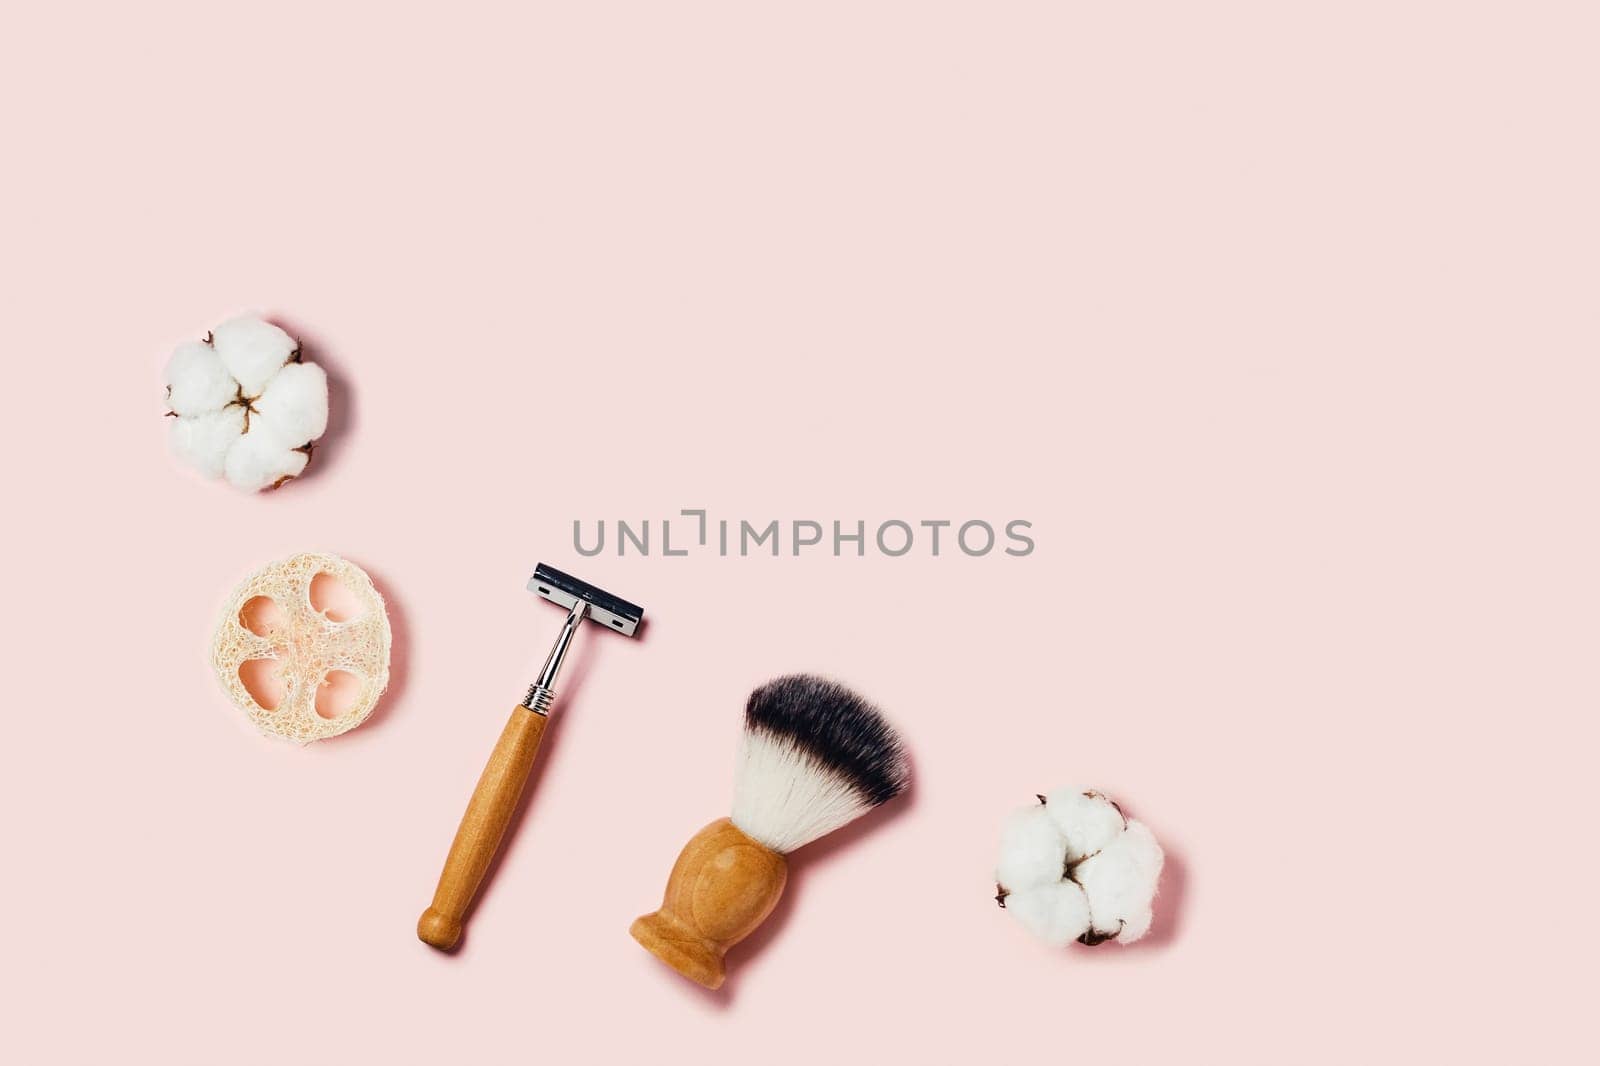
(610, 611)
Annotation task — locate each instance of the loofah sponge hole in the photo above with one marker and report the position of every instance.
(338, 694)
(333, 599)
(262, 616)
(303, 647)
(263, 680)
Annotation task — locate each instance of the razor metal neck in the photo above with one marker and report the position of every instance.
(543, 691)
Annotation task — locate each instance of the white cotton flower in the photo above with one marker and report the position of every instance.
(260, 459)
(203, 440)
(197, 382)
(1120, 880)
(244, 406)
(1073, 868)
(295, 403)
(253, 350)
(1056, 913)
(1085, 819)
(1031, 850)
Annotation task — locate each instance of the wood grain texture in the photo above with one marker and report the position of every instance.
(722, 887)
(478, 838)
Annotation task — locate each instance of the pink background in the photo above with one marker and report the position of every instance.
(1277, 320)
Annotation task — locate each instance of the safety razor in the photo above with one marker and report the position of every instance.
(500, 787)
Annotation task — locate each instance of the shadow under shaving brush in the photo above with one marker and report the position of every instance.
(814, 757)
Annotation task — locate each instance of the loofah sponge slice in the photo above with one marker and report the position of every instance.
(307, 644)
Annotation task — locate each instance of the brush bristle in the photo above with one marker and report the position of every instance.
(815, 757)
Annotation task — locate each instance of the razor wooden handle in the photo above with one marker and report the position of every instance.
(723, 885)
(482, 827)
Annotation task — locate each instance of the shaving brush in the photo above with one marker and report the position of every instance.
(814, 757)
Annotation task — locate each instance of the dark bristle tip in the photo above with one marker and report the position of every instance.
(840, 729)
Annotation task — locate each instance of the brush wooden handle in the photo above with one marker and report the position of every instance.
(478, 838)
(723, 885)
